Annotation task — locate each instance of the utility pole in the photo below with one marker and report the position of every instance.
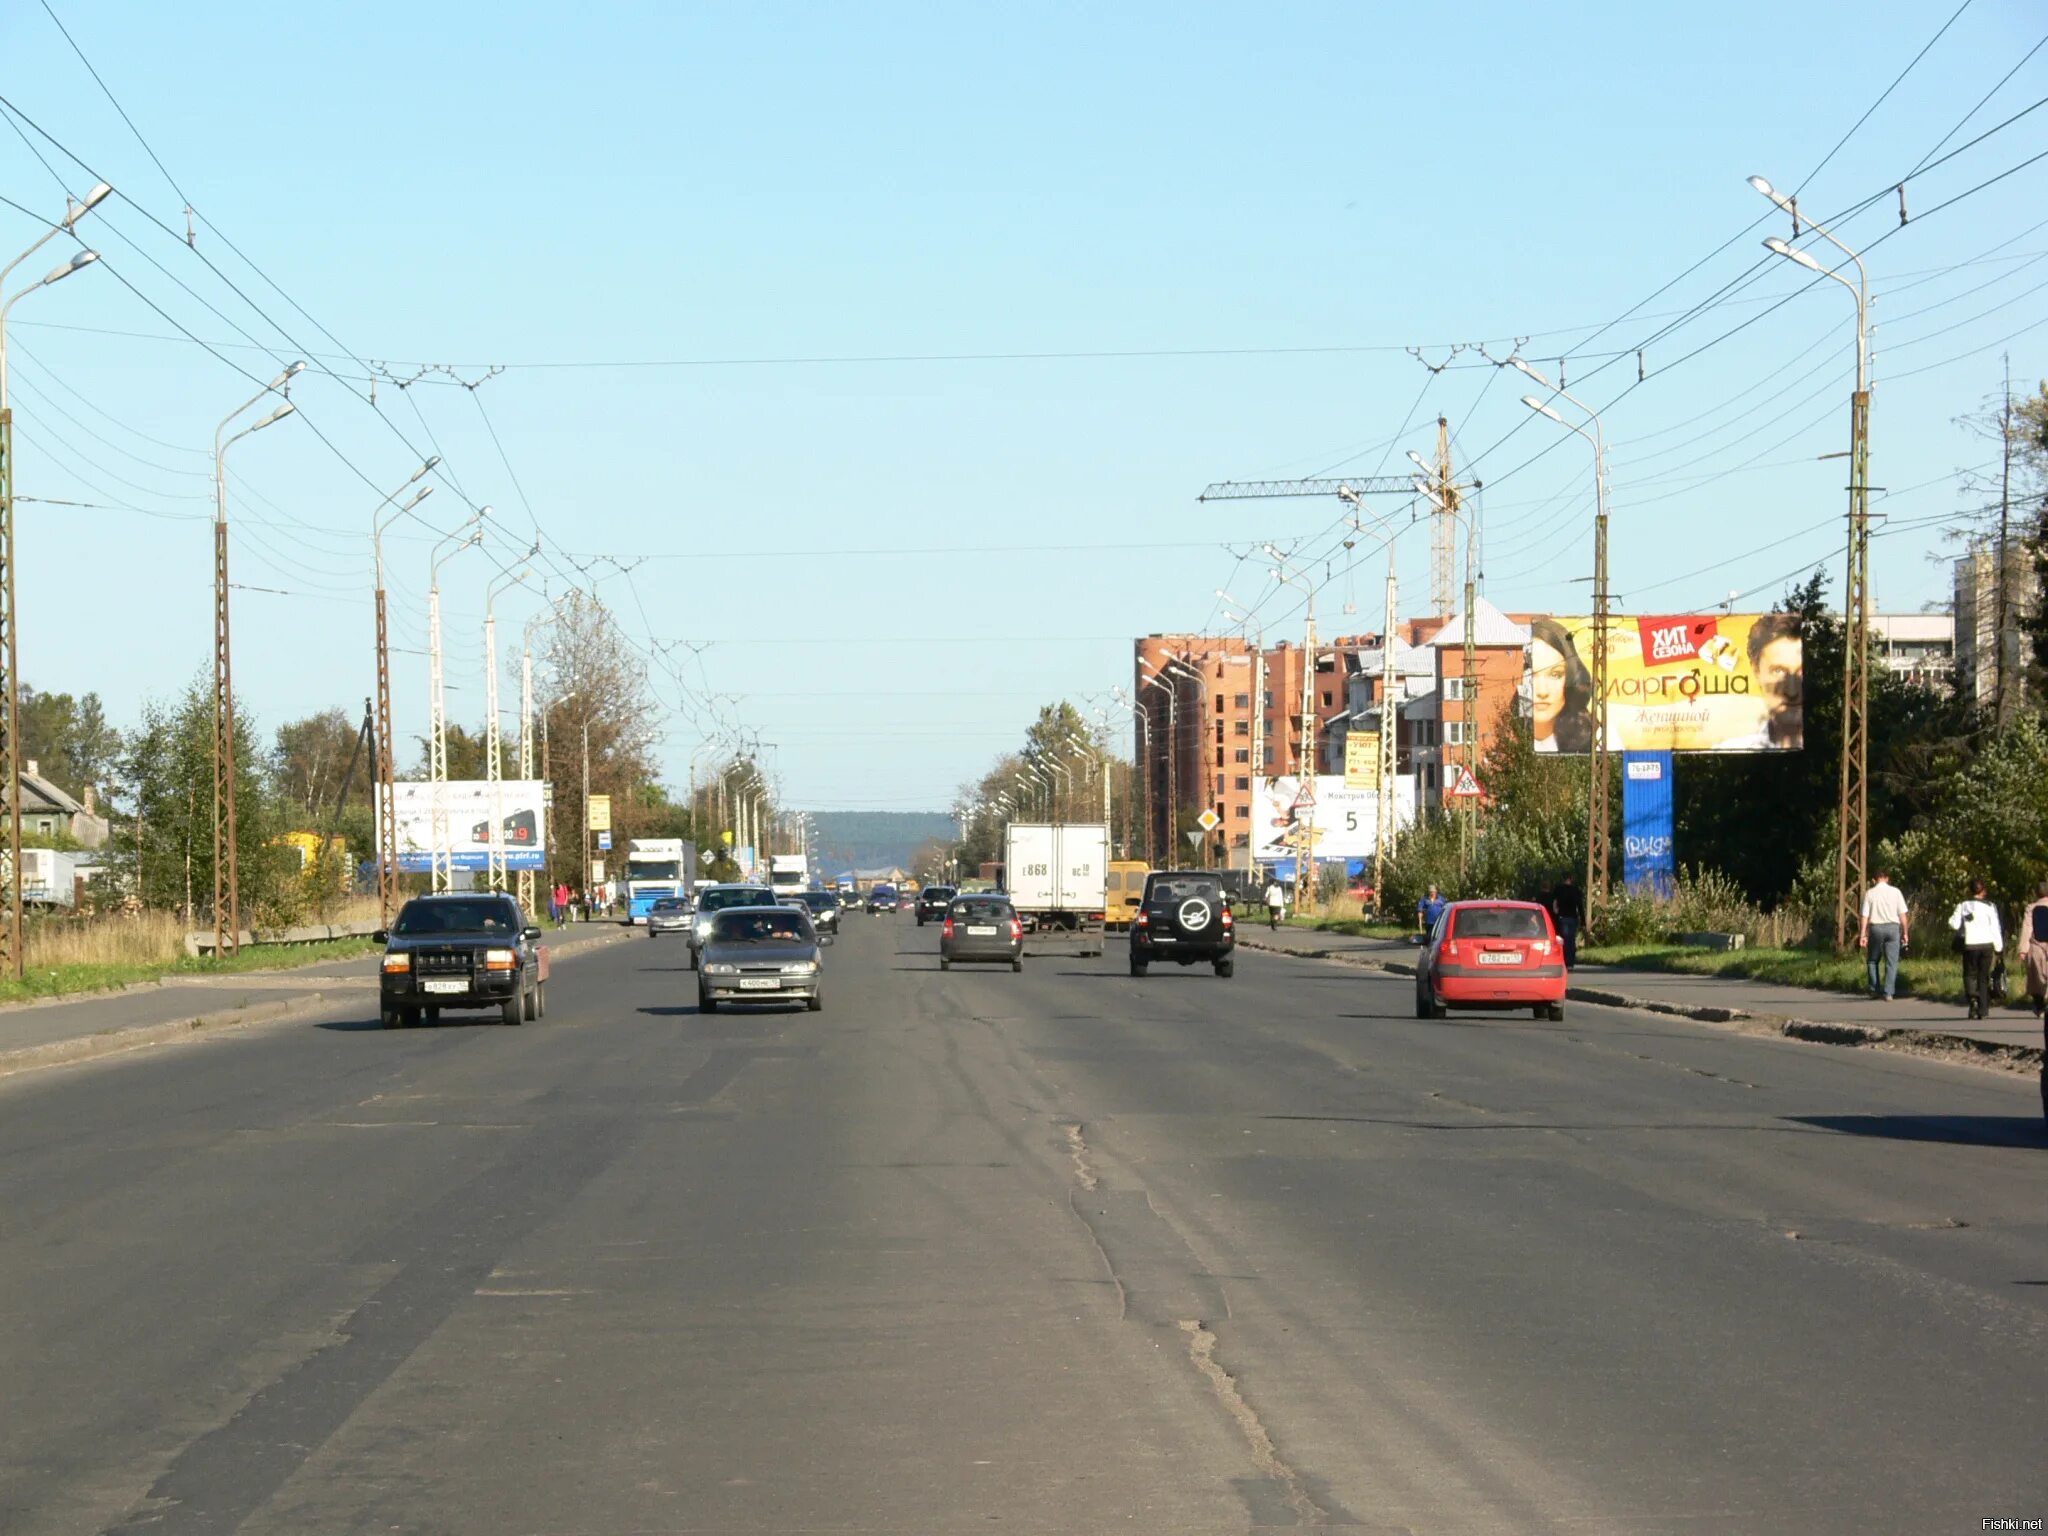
(1443, 532)
(382, 769)
(2006, 697)
(494, 845)
(1598, 809)
(227, 890)
(1852, 822)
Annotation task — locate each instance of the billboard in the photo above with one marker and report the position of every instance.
(1648, 860)
(1715, 682)
(1343, 822)
(471, 805)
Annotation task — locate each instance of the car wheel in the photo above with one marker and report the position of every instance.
(1421, 1004)
(1437, 1010)
(1557, 1013)
(706, 1003)
(1225, 969)
(814, 1003)
(693, 957)
(1541, 1010)
(1017, 964)
(514, 1009)
(540, 1001)
(532, 1008)
(1137, 968)
(390, 1018)
(920, 921)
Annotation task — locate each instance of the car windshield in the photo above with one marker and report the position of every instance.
(671, 904)
(1499, 923)
(981, 912)
(1178, 890)
(486, 914)
(736, 896)
(820, 901)
(782, 926)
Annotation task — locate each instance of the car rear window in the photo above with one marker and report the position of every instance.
(1182, 887)
(939, 893)
(982, 911)
(1500, 923)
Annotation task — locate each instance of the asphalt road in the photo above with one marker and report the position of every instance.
(1049, 1252)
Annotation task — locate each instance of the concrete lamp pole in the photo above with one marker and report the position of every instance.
(383, 767)
(471, 532)
(227, 894)
(13, 957)
(1598, 812)
(494, 847)
(1852, 811)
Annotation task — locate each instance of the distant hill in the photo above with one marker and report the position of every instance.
(872, 839)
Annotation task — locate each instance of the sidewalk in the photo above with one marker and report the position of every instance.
(45, 1033)
(2012, 1036)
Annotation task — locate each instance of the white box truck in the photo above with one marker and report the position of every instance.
(1057, 877)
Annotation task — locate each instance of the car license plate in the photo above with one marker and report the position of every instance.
(988, 928)
(453, 984)
(761, 984)
(1486, 958)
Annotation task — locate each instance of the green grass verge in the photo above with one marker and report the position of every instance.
(1355, 927)
(70, 980)
(1935, 977)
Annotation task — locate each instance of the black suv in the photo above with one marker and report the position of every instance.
(932, 902)
(463, 949)
(1184, 917)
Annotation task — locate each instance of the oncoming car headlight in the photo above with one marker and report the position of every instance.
(703, 927)
(397, 962)
(800, 968)
(500, 959)
(721, 970)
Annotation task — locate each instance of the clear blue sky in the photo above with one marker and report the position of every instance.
(895, 562)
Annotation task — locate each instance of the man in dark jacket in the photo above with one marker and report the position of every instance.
(1568, 911)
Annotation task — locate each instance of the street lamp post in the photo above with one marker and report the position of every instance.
(1597, 808)
(227, 893)
(469, 533)
(13, 956)
(1852, 811)
(384, 769)
(494, 846)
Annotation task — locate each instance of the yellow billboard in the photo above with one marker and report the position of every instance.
(1681, 683)
(600, 813)
(1361, 759)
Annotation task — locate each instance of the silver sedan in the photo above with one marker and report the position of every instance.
(759, 955)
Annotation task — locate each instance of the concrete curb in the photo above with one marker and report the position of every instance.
(1967, 1048)
(118, 1040)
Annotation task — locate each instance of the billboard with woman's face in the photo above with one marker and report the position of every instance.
(1679, 683)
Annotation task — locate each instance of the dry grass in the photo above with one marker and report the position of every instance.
(143, 938)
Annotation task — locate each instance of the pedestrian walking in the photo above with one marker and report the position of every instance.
(2034, 950)
(1979, 940)
(1568, 911)
(1276, 902)
(1428, 910)
(1885, 932)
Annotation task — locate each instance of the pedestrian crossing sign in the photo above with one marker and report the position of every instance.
(1464, 786)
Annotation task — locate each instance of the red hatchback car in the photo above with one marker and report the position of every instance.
(1493, 955)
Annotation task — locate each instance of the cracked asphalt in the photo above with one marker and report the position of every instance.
(1059, 1251)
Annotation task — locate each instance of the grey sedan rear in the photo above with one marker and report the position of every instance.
(759, 955)
(981, 929)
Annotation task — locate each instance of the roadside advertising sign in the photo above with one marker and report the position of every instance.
(604, 842)
(1715, 682)
(600, 813)
(471, 806)
(1343, 823)
(1648, 850)
(1361, 759)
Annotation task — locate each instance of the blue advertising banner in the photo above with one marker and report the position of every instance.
(1649, 861)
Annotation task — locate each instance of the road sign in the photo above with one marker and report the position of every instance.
(1305, 795)
(604, 842)
(1208, 821)
(1465, 787)
(1194, 838)
(600, 813)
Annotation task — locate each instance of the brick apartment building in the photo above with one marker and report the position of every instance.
(1433, 726)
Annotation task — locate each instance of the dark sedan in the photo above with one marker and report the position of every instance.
(824, 909)
(759, 955)
(461, 950)
(881, 899)
(981, 929)
(932, 902)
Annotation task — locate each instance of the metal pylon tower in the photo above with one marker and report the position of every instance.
(1852, 831)
(1443, 529)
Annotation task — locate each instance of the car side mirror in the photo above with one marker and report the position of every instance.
(380, 936)
(531, 935)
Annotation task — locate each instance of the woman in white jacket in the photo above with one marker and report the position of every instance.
(1975, 922)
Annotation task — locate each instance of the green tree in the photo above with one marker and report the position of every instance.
(312, 755)
(69, 740)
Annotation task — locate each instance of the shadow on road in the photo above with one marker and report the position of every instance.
(1952, 1130)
